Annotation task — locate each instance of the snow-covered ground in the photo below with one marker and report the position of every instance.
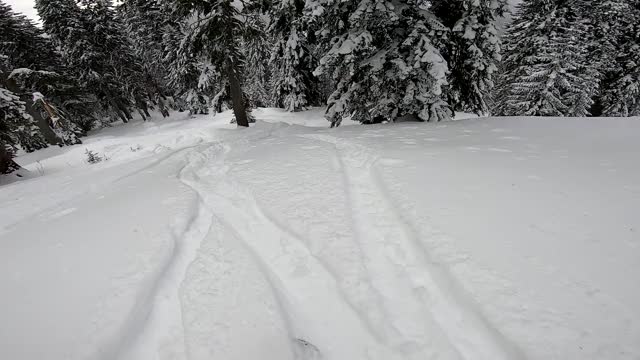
(491, 238)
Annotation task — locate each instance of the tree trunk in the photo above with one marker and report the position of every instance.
(237, 98)
(162, 107)
(144, 118)
(43, 124)
(126, 111)
(116, 108)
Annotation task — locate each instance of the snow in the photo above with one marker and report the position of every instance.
(484, 238)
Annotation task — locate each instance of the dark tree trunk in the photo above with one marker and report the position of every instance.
(122, 116)
(144, 118)
(43, 124)
(142, 108)
(145, 110)
(237, 98)
(125, 111)
(116, 108)
(162, 107)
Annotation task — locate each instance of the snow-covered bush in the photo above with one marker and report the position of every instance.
(384, 57)
(93, 157)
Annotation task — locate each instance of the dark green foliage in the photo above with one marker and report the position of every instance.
(17, 128)
(547, 71)
(572, 58)
(148, 22)
(616, 45)
(215, 32)
(385, 59)
(294, 86)
(472, 50)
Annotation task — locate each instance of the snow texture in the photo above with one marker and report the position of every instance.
(485, 238)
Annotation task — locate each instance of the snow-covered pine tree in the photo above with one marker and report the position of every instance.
(472, 50)
(17, 128)
(147, 22)
(33, 66)
(94, 48)
(121, 74)
(65, 111)
(546, 70)
(293, 84)
(616, 44)
(385, 58)
(192, 80)
(63, 21)
(24, 43)
(216, 29)
(257, 84)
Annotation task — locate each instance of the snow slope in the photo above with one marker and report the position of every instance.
(491, 238)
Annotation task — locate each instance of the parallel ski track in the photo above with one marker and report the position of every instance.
(447, 305)
(312, 306)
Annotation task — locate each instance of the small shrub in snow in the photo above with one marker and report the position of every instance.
(135, 148)
(93, 157)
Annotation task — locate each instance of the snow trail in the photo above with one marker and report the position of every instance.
(405, 283)
(316, 314)
(498, 238)
(415, 310)
(162, 331)
(157, 162)
(156, 322)
(410, 283)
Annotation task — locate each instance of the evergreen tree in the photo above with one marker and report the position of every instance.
(192, 80)
(621, 97)
(472, 50)
(216, 30)
(616, 46)
(17, 128)
(258, 66)
(33, 66)
(147, 22)
(385, 58)
(94, 48)
(64, 112)
(294, 85)
(119, 71)
(23, 44)
(546, 69)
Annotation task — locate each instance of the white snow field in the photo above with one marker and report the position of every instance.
(489, 238)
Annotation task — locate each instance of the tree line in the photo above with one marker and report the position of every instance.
(571, 58)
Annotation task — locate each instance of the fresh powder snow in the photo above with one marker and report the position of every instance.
(483, 238)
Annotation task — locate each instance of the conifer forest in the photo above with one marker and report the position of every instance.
(319, 179)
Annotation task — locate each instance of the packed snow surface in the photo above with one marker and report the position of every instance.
(489, 238)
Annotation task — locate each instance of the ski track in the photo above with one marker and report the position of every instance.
(317, 316)
(155, 324)
(159, 327)
(157, 162)
(361, 307)
(115, 181)
(412, 284)
(418, 310)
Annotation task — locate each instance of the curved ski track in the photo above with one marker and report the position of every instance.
(424, 314)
